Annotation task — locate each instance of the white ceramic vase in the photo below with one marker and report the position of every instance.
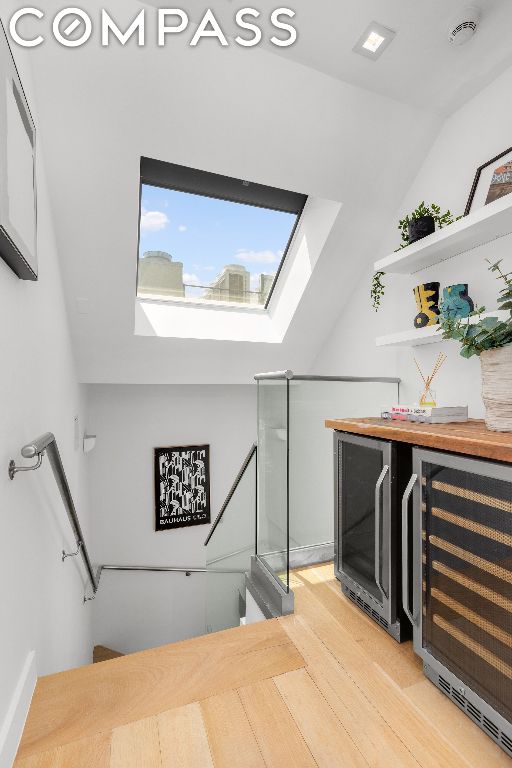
(497, 388)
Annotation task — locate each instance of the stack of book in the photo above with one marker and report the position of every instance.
(429, 414)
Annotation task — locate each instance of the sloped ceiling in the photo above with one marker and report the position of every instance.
(420, 68)
(241, 112)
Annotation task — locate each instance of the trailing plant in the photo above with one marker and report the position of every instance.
(377, 290)
(487, 332)
(441, 220)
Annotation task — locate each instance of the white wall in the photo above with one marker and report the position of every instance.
(42, 608)
(130, 421)
(473, 135)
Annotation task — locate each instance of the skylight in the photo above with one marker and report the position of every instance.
(209, 238)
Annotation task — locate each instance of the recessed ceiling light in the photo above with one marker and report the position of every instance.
(374, 40)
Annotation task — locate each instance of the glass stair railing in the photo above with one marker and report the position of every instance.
(295, 519)
(230, 545)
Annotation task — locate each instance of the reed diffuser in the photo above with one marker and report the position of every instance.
(427, 397)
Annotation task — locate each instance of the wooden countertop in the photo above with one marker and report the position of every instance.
(471, 437)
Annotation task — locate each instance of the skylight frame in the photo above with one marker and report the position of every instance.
(180, 178)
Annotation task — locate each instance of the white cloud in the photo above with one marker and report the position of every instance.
(153, 221)
(182, 228)
(259, 257)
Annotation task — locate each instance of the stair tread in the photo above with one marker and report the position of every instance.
(81, 702)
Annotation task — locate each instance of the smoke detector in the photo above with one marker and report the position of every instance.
(464, 25)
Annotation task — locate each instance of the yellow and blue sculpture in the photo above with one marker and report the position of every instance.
(427, 301)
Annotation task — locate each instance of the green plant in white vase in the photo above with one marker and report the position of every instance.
(491, 339)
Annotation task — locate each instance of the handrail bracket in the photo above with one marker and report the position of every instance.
(47, 445)
(14, 469)
(65, 554)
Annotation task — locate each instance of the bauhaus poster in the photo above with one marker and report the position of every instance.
(182, 486)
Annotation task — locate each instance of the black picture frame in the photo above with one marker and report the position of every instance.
(478, 175)
(182, 486)
(18, 190)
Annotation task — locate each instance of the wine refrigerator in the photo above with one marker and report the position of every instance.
(458, 591)
(370, 476)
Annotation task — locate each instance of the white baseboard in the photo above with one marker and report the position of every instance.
(12, 727)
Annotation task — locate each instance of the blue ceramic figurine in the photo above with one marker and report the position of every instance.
(456, 302)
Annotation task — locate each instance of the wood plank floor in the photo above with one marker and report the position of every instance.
(324, 687)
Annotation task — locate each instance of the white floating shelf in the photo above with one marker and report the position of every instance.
(484, 225)
(415, 337)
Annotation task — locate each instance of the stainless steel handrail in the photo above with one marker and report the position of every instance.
(232, 490)
(283, 375)
(161, 568)
(274, 375)
(166, 568)
(47, 444)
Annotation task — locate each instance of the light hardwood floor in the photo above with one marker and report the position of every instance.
(324, 687)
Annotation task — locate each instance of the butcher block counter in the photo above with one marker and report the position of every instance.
(470, 438)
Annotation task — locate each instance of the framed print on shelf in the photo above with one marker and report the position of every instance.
(18, 199)
(492, 181)
(182, 486)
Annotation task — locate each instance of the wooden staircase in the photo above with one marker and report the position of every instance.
(102, 653)
(323, 688)
(75, 714)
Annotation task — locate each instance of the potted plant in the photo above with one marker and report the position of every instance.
(491, 339)
(420, 223)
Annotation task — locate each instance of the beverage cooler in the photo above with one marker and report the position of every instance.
(369, 481)
(457, 582)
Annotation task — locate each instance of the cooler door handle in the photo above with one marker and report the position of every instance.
(405, 550)
(378, 487)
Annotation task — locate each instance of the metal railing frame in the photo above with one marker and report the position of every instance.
(47, 445)
(161, 569)
(289, 375)
(253, 450)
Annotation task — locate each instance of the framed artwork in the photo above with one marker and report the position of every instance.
(18, 199)
(182, 486)
(492, 181)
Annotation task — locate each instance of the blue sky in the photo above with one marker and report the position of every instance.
(206, 234)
